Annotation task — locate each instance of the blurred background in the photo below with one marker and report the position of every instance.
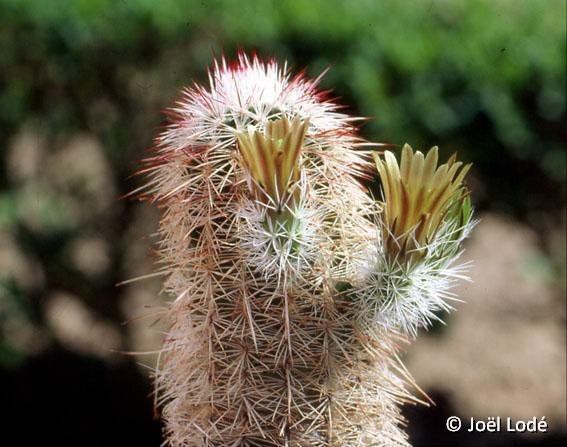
(83, 85)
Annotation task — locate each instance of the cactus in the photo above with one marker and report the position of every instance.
(292, 288)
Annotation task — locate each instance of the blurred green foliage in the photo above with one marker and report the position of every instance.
(486, 77)
(429, 72)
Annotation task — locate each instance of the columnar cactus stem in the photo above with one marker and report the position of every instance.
(292, 287)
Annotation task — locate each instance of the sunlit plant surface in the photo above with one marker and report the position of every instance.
(292, 287)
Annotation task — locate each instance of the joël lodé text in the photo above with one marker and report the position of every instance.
(508, 424)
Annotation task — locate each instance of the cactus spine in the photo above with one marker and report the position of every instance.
(292, 289)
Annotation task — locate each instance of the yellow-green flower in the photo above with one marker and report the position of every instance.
(419, 197)
(272, 159)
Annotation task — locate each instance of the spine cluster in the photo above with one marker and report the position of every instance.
(292, 288)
